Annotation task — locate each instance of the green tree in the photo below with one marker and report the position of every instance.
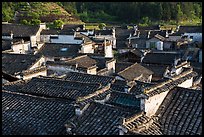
(35, 22)
(179, 13)
(102, 25)
(58, 23)
(24, 21)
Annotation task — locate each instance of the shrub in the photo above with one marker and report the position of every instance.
(101, 25)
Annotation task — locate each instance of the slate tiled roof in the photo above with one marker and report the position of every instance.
(140, 124)
(59, 88)
(14, 86)
(181, 112)
(138, 88)
(72, 26)
(103, 32)
(120, 66)
(158, 70)
(30, 115)
(88, 78)
(190, 29)
(169, 84)
(125, 100)
(134, 71)
(83, 61)
(19, 30)
(160, 58)
(6, 45)
(14, 63)
(50, 32)
(100, 119)
(55, 50)
(119, 85)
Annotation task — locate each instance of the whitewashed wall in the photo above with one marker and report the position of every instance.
(152, 103)
(21, 48)
(38, 63)
(42, 73)
(196, 36)
(186, 84)
(88, 48)
(111, 65)
(108, 51)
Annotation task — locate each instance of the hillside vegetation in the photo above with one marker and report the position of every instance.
(143, 13)
(22, 12)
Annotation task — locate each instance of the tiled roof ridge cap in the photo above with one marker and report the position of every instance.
(67, 81)
(27, 95)
(127, 68)
(92, 75)
(154, 87)
(132, 118)
(14, 82)
(33, 70)
(99, 91)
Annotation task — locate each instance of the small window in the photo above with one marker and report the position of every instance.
(191, 37)
(54, 37)
(63, 49)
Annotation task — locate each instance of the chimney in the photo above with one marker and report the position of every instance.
(11, 33)
(175, 61)
(178, 27)
(22, 41)
(126, 89)
(104, 42)
(78, 111)
(68, 129)
(76, 65)
(122, 130)
(167, 34)
(113, 32)
(148, 34)
(138, 34)
(84, 27)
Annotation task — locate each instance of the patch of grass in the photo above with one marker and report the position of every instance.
(91, 27)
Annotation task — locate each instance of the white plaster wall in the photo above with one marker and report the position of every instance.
(45, 38)
(152, 104)
(42, 73)
(38, 63)
(21, 48)
(159, 45)
(186, 84)
(111, 65)
(108, 51)
(196, 36)
(92, 71)
(33, 41)
(87, 49)
(69, 39)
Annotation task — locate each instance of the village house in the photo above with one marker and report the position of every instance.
(57, 51)
(161, 57)
(192, 32)
(105, 34)
(135, 72)
(82, 64)
(23, 66)
(66, 35)
(169, 115)
(105, 66)
(27, 33)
